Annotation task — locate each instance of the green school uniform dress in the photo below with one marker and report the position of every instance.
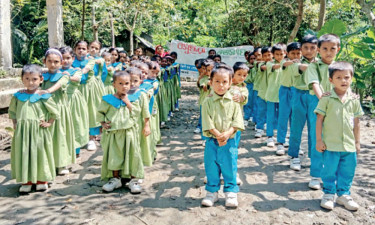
(160, 96)
(120, 143)
(273, 82)
(63, 128)
(32, 147)
(108, 84)
(78, 109)
(166, 94)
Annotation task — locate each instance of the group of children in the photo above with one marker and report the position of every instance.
(82, 94)
(282, 86)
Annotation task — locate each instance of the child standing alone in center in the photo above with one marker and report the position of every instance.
(221, 119)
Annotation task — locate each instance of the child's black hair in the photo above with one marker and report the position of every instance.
(293, 46)
(333, 38)
(32, 68)
(66, 49)
(266, 49)
(212, 50)
(174, 53)
(142, 65)
(310, 39)
(211, 57)
(246, 53)
(240, 66)
(134, 71)
(222, 68)
(154, 58)
(277, 47)
(118, 54)
(53, 51)
(208, 62)
(152, 65)
(80, 42)
(340, 66)
(120, 73)
(98, 42)
(217, 56)
(123, 52)
(257, 49)
(198, 63)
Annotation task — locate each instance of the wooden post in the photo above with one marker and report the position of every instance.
(55, 23)
(5, 35)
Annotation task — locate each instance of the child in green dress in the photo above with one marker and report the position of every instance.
(108, 86)
(120, 144)
(55, 82)
(32, 113)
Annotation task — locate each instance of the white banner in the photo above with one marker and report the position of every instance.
(188, 53)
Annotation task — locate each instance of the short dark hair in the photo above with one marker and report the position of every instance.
(123, 52)
(257, 49)
(333, 38)
(212, 50)
(217, 56)
(174, 53)
(266, 49)
(340, 66)
(208, 62)
(278, 47)
(134, 71)
(119, 74)
(310, 39)
(222, 68)
(32, 68)
(240, 66)
(293, 46)
(198, 63)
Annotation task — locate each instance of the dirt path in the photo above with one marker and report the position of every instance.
(173, 189)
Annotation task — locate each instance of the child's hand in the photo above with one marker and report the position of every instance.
(223, 137)
(127, 102)
(98, 61)
(85, 70)
(75, 78)
(303, 67)
(236, 98)
(106, 125)
(275, 67)
(288, 63)
(45, 124)
(358, 147)
(42, 92)
(66, 73)
(296, 60)
(320, 146)
(146, 130)
(110, 69)
(222, 143)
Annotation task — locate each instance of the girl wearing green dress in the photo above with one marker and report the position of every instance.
(77, 103)
(55, 82)
(32, 112)
(120, 144)
(112, 67)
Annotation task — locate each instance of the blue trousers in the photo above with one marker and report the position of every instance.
(237, 138)
(94, 131)
(248, 108)
(272, 117)
(255, 106)
(261, 113)
(177, 105)
(221, 160)
(338, 172)
(78, 150)
(303, 106)
(285, 112)
(200, 118)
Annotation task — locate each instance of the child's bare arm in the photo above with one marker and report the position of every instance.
(357, 136)
(215, 132)
(46, 124)
(320, 146)
(223, 137)
(303, 67)
(14, 123)
(263, 68)
(288, 63)
(317, 90)
(146, 130)
(106, 125)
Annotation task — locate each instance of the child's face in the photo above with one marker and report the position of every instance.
(258, 55)
(169, 62)
(211, 53)
(122, 85)
(279, 55)
(158, 60)
(31, 81)
(221, 83)
(134, 57)
(81, 50)
(267, 56)
(144, 72)
(208, 70)
(309, 50)
(251, 59)
(174, 57)
(294, 54)
(163, 62)
(94, 49)
(123, 57)
(67, 60)
(114, 55)
(217, 59)
(239, 76)
(53, 63)
(153, 73)
(107, 60)
(139, 51)
(328, 51)
(341, 80)
(135, 81)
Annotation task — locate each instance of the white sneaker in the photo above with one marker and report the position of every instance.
(280, 150)
(204, 143)
(42, 187)
(205, 179)
(197, 130)
(245, 123)
(288, 135)
(286, 144)
(231, 199)
(328, 201)
(62, 171)
(238, 179)
(210, 199)
(25, 188)
(91, 146)
(300, 152)
(172, 114)
(270, 142)
(314, 183)
(347, 202)
(134, 186)
(176, 109)
(140, 181)
(295, 164)
(258, 133)
(169, 118)
(162, 124)
(251, 119)
(113, 184)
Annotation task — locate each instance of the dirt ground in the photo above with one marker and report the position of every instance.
(173, 188)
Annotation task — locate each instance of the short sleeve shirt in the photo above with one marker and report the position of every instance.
(299, 76)
(318, 73)
(273, 82)
(262, 82)
(338, 122)
(203, 94)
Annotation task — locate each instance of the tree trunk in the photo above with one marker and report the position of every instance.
(83, 20)
(298, 21)
(94, 25)
(131, 39)
(367, 9)
(112, 30)
(322, 14)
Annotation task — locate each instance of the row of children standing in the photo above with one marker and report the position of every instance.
(81, 95)
(289, 86)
